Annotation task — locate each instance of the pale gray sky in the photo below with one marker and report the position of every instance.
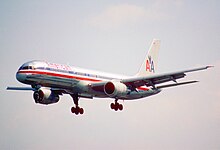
(112, 36)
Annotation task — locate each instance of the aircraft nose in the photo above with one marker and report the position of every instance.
(20, 77)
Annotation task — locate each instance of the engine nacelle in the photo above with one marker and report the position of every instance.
(45, 96)
(115, 89)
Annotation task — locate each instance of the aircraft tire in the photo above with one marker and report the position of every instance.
(112, 106)
(73, 110)
(120, 107)
(81, 110)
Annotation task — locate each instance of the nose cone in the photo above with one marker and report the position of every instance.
(20, 77)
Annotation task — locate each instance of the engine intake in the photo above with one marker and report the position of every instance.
(115, 89)
(45, 96)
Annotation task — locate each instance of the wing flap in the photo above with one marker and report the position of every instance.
(175, 84)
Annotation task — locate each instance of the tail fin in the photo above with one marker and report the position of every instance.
(149, 66)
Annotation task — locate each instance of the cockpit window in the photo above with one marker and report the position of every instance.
(26, 67)
(30, 67)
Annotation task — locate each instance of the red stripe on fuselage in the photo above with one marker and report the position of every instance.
(66, 76)
(57, 75)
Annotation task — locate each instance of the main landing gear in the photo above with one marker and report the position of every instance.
(116, 106)
(76, 110)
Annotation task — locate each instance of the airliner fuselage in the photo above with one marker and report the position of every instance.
(50, 80)
(77, 80)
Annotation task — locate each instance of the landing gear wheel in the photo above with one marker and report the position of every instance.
(73, 110)
(116, 109)
(116, 106)
(81, 111)
(112, 106)
(77, 111)
(120, 107)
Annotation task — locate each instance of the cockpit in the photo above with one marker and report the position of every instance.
(26, 67)
(32, 65)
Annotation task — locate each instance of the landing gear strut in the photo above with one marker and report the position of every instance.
(116, 106)
(76, 110)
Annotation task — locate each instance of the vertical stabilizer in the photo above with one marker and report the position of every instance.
(149, 65)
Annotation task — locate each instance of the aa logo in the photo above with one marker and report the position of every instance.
(150, 64)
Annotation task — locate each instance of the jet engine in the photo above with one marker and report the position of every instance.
(45, 96)
(115, 89)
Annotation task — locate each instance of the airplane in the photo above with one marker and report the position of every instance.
(49, 81)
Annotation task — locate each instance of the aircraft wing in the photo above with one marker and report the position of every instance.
(59, 91)
(153, 80)
(21, 88)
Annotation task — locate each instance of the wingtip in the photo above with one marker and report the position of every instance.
(210, 66)
(8, 88)
(192, 81)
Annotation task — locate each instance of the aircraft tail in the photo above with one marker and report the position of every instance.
(149, 66)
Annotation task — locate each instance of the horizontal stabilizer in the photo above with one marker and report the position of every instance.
(175, 84)
(21, 88)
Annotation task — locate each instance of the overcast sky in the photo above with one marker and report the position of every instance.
(112, 36)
